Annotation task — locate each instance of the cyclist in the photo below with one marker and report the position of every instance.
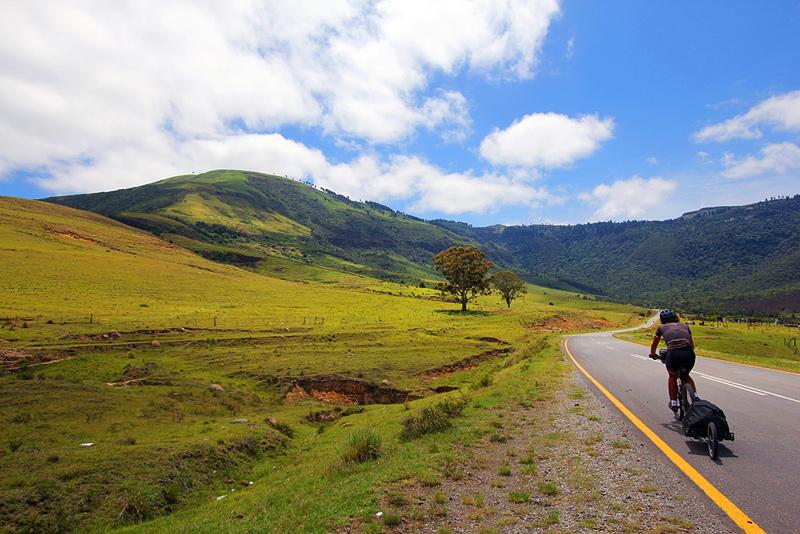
(680, 352)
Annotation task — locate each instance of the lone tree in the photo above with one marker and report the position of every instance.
(464, 269)
(509, 285)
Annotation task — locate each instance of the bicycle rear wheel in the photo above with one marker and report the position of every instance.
(683, 401)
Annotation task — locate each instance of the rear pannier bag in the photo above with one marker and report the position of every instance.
(702, 412)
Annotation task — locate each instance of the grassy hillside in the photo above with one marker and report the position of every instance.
(113, 337)
(741, 260)
(250, 219)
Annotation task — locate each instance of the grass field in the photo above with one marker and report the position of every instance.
(755, 344)
(113, 337)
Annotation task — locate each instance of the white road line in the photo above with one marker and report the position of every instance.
(744, 387)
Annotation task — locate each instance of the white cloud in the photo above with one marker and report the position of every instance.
(628, 199)
(428, 187)
(93, 80)
(776, 158)
(570, 48)
(781, 112)
(545, 140)
(652, 160)
(448, 112)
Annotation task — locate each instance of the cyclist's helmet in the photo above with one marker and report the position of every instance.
(667, 315)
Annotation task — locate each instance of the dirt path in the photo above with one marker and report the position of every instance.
(566, 470)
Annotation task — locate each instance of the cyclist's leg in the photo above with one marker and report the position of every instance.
(689, 365)
(672, 377)
(672, 385)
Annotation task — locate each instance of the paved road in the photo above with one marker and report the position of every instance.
(760, 470)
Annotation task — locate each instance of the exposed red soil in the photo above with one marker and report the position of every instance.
(571, 323)
(468, 363)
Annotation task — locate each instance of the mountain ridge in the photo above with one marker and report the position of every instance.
(715, 259)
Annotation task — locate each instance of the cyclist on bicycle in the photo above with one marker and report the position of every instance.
(680, 352)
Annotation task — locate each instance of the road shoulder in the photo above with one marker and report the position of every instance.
(567, 464)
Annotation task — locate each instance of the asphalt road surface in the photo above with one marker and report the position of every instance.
(759, 471)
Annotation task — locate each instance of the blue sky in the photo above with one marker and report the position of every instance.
(488, 113)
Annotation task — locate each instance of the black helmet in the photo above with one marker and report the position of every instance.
(667, 315)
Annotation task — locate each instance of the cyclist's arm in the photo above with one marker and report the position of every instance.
(654, 345)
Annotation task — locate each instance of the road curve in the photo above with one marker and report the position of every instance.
(759, 471)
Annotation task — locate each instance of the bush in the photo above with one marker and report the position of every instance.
(141, 501)
(432, 418)
(363, 446)
(391, 518)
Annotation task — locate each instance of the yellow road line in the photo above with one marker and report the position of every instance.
(733, 511)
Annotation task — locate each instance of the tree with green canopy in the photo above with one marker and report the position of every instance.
(509, 285)
(464, 270)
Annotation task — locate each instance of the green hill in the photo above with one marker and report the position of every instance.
(275, 224)
(727, 259)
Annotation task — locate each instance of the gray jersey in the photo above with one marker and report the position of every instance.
(676, 335)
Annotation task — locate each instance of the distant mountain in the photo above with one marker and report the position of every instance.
(744, 258)
(249, 219)
(729, 259)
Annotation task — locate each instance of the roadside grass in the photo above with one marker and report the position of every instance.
(761, 345)
(169, 452)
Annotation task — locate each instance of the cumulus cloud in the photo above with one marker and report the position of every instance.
(546, 140)
(426, 186)
(777, 158)
(628, 199)
(781, 112)
(90, 81)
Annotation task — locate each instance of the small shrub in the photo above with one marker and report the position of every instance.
(14, 445)
(391, 518)
(21, 418)
(363, 446)
(620, 444)
(129, 441)
(26, 373)
(552, 517)
(496, 437)
(548, 488)
(53, 459)
(397, 499)
(429, 479)
(439, 497)
(485, 381)
(432, 418)
(140, 502)
(505, 470)
(519, 497)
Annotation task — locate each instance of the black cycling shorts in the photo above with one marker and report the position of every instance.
(678, 359)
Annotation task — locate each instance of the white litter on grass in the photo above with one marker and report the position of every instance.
(88, 444)
(378, 515)
(239, 421)
(221, 497)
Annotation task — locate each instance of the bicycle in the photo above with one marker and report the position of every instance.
(713, 429)
(686, 393)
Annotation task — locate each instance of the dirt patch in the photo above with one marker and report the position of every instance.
(466, 364)
(78, 237)
(323, 416)
(570, 323)
(144, 375)
(489, 339)
(334, 389)
(15, 359)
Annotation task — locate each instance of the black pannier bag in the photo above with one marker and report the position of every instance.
(701, 413)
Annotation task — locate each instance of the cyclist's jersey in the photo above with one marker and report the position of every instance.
(675, 335)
